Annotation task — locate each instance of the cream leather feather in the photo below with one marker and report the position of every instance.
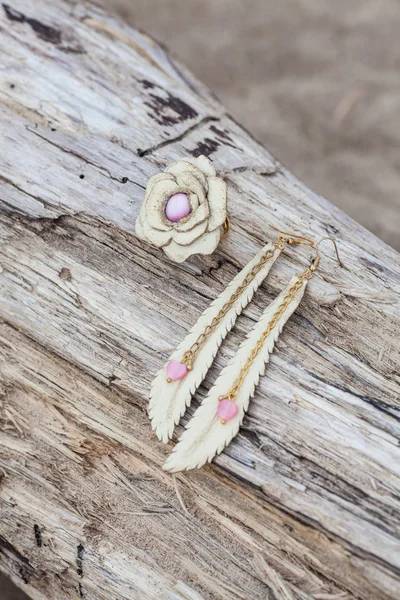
(205, 435)
(168, 401)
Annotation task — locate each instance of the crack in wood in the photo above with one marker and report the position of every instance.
(83, 158)
(178, 138)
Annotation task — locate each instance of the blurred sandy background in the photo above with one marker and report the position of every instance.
(316, 81)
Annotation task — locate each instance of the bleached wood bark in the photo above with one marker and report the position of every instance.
(304, 504)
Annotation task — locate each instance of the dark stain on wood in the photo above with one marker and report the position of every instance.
(170, 110)
(331, 229)
(222, 135)
(75, 48)
(38, 536)
(45, 32)
(6, 545)
(148, 85)
(24, 574)
(371, 265)
(381, 271)
(206, 147)
(79, 559)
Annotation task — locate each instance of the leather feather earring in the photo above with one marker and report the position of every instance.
(175, 384)
(218, 419)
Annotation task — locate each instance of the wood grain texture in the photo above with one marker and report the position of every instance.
(304, 504)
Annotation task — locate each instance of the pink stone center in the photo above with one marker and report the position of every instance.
(176, 370)
(177, 207)
(227, 409)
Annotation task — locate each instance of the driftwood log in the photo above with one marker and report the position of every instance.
(304, 504)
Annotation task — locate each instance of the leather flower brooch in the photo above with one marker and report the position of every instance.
(184, 209)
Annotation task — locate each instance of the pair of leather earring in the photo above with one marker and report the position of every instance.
(218, 418)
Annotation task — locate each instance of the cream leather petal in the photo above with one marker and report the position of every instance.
(140, 220)
(182, 166)
(184, 238)
(217, 202)
(198, 216)
(204, 164)
(206, 244)
(194, 202)
(139, 229)
(156, 179)
(154, 204)
(189, 181)
(156, 237)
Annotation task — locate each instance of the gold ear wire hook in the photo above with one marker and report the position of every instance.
(301, 239)
(336, 250)
(316, 260)
(294, 237)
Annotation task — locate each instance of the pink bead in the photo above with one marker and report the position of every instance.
(177, 207)
(227, 409)
(176, 370)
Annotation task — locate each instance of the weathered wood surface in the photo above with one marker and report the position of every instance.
(305, 502)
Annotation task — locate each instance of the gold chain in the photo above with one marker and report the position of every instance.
(233, 392)
(190, 354)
